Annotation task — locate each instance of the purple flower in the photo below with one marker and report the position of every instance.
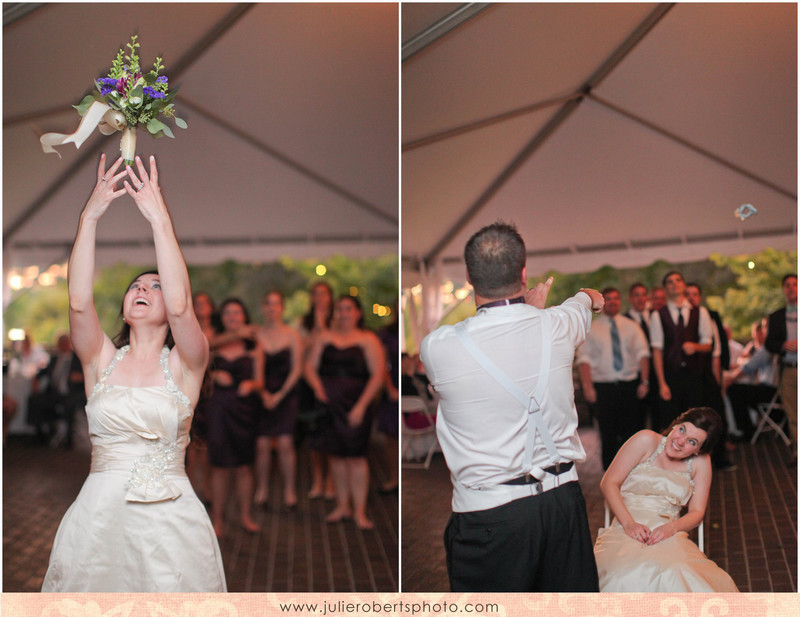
(162, 79)
(107, 84)
(153, 94)
(121, 85)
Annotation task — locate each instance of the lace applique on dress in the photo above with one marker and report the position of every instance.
(101, 384)
(152, 467)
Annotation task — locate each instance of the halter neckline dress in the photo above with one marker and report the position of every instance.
(136, 525)
(655, 496)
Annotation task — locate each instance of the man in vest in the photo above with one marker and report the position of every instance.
(678, 334)
(507, 425)
(782, 340)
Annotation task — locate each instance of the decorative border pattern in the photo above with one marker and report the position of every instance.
(424, 605)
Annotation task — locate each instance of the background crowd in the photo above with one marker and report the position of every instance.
(270, 386)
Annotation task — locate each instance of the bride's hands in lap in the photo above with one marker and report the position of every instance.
(661, 533)
(105, 191)
(640, 533)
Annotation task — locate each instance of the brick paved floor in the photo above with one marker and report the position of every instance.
(295, 551)
(750, 526)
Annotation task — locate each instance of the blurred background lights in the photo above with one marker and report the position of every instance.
(354, 291)
(321, 270)
(751, 264)
(381, 311)
(16, 334)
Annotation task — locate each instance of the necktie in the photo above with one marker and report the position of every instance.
(680, 327)
(645, 327)
(616, 346)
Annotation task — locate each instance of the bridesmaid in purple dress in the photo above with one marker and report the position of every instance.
(237, 372)
(283, 365)
(345, 369)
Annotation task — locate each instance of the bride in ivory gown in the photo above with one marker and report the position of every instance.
(653, 476)
(137, 525)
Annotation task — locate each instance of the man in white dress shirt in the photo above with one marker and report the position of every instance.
(507, 426)
(679, 333)
(610, 362)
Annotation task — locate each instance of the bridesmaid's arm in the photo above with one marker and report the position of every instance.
(296, 355)
(376, 363)
(256, 383)
(633, 451)
(697, 504)
(312, 367)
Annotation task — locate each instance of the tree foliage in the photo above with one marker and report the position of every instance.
(741, 294)
(43, 311)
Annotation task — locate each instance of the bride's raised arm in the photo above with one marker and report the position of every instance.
(88, 339)
(191, 345)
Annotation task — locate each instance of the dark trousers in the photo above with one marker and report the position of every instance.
(743, 397)
(537, 543)
(712, 397)
(618, 415)
(686, 387)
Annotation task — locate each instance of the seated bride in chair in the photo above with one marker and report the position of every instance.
(647, 547)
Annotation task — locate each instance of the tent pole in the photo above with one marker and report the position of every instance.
(619, 54)
(692, 146)
(293, 164)
(211, 37)
(449, 22)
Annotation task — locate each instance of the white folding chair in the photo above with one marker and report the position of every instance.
(413, 435)
(766, 423)
(700, 528)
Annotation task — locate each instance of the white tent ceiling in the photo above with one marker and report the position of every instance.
(292, 146)
(609, 133)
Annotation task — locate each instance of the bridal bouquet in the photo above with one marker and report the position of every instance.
(125, 99)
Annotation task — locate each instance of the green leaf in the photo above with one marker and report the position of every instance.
(85, 104)
(168, 131)
(180, 123)
(155, 125)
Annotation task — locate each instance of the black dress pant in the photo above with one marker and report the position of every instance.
(537, 543)
(687, 389)
(743, 397)
(618, 415)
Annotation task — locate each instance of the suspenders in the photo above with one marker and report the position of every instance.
(529, 401)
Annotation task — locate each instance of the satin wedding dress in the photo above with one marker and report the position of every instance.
(136, 525)
(654, 496)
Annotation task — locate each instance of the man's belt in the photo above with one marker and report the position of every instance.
(555, 470)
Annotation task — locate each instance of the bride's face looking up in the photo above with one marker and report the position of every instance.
(143, 301)
(684, 440)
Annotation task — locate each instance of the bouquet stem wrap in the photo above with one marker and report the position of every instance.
(127, 145)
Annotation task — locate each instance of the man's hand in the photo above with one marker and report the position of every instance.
(597, 299)
(537, 296)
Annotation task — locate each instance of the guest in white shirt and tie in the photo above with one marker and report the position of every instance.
(507, 426)
(610, 362)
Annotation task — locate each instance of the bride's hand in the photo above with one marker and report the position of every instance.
(145, 191)
(661, 533)
(105, 191)
(637, 531)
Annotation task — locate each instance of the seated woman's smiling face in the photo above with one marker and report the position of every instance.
(684, 440)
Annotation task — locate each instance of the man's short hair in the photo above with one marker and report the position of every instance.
(636, 285)
(608, 290)
(669, 274)
(786, 277)
(495, 256)
(693, 284)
